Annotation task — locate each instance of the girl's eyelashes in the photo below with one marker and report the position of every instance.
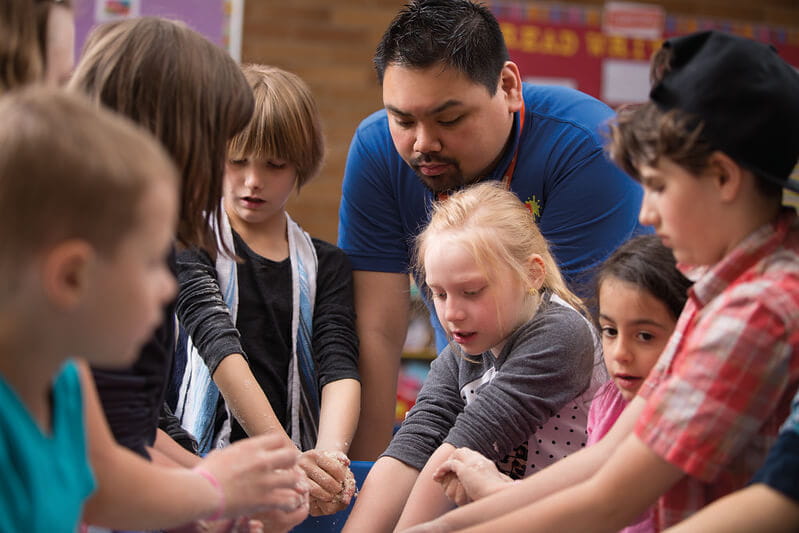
(609, 331)
(441, 295)
(645, 336)
(238, 162)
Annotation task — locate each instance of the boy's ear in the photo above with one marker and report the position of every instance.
(728, 175)
(510, 82)
(65, 272)
(538, 271)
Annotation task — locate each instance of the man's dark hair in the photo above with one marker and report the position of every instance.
(457, 34)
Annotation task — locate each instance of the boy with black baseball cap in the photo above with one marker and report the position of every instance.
(713, 148)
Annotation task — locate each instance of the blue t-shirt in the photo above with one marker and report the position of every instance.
(781, 469)
(585, 206)
(45, 478)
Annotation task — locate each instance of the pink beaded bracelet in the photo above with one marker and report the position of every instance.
(220, 510)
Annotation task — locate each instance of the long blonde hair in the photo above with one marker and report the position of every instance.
(499, 230)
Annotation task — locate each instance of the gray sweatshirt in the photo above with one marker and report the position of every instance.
(493, 406)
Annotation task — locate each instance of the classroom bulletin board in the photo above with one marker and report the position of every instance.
(218, 20)
(568, 44)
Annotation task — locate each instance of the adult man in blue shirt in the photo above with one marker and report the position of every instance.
(456, 111)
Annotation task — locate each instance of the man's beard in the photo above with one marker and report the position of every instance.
(442, 183)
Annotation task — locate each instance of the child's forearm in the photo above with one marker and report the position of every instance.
(565, 473)
(123, 478)
(633, 471)
(170, 452)
(560, 475)
(245, 398)
(427, 499)
(133, 493)
(380, 502)
(755, 508)
(338, 417)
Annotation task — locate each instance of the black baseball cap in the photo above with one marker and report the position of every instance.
(746, 96)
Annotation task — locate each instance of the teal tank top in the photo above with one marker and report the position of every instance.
(45, 478)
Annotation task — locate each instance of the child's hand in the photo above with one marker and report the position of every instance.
(256, 475)
(468, 476)
(453, 489)
(282, 522)
(332, 482)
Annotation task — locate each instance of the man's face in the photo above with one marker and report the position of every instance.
(450, 130)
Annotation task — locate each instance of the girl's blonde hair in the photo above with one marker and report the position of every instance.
(183, 88)
(285, 124)
(499, 230)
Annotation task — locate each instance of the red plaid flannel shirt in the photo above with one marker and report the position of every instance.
(723, 385)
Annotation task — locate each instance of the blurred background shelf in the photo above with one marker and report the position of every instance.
(420, 355)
